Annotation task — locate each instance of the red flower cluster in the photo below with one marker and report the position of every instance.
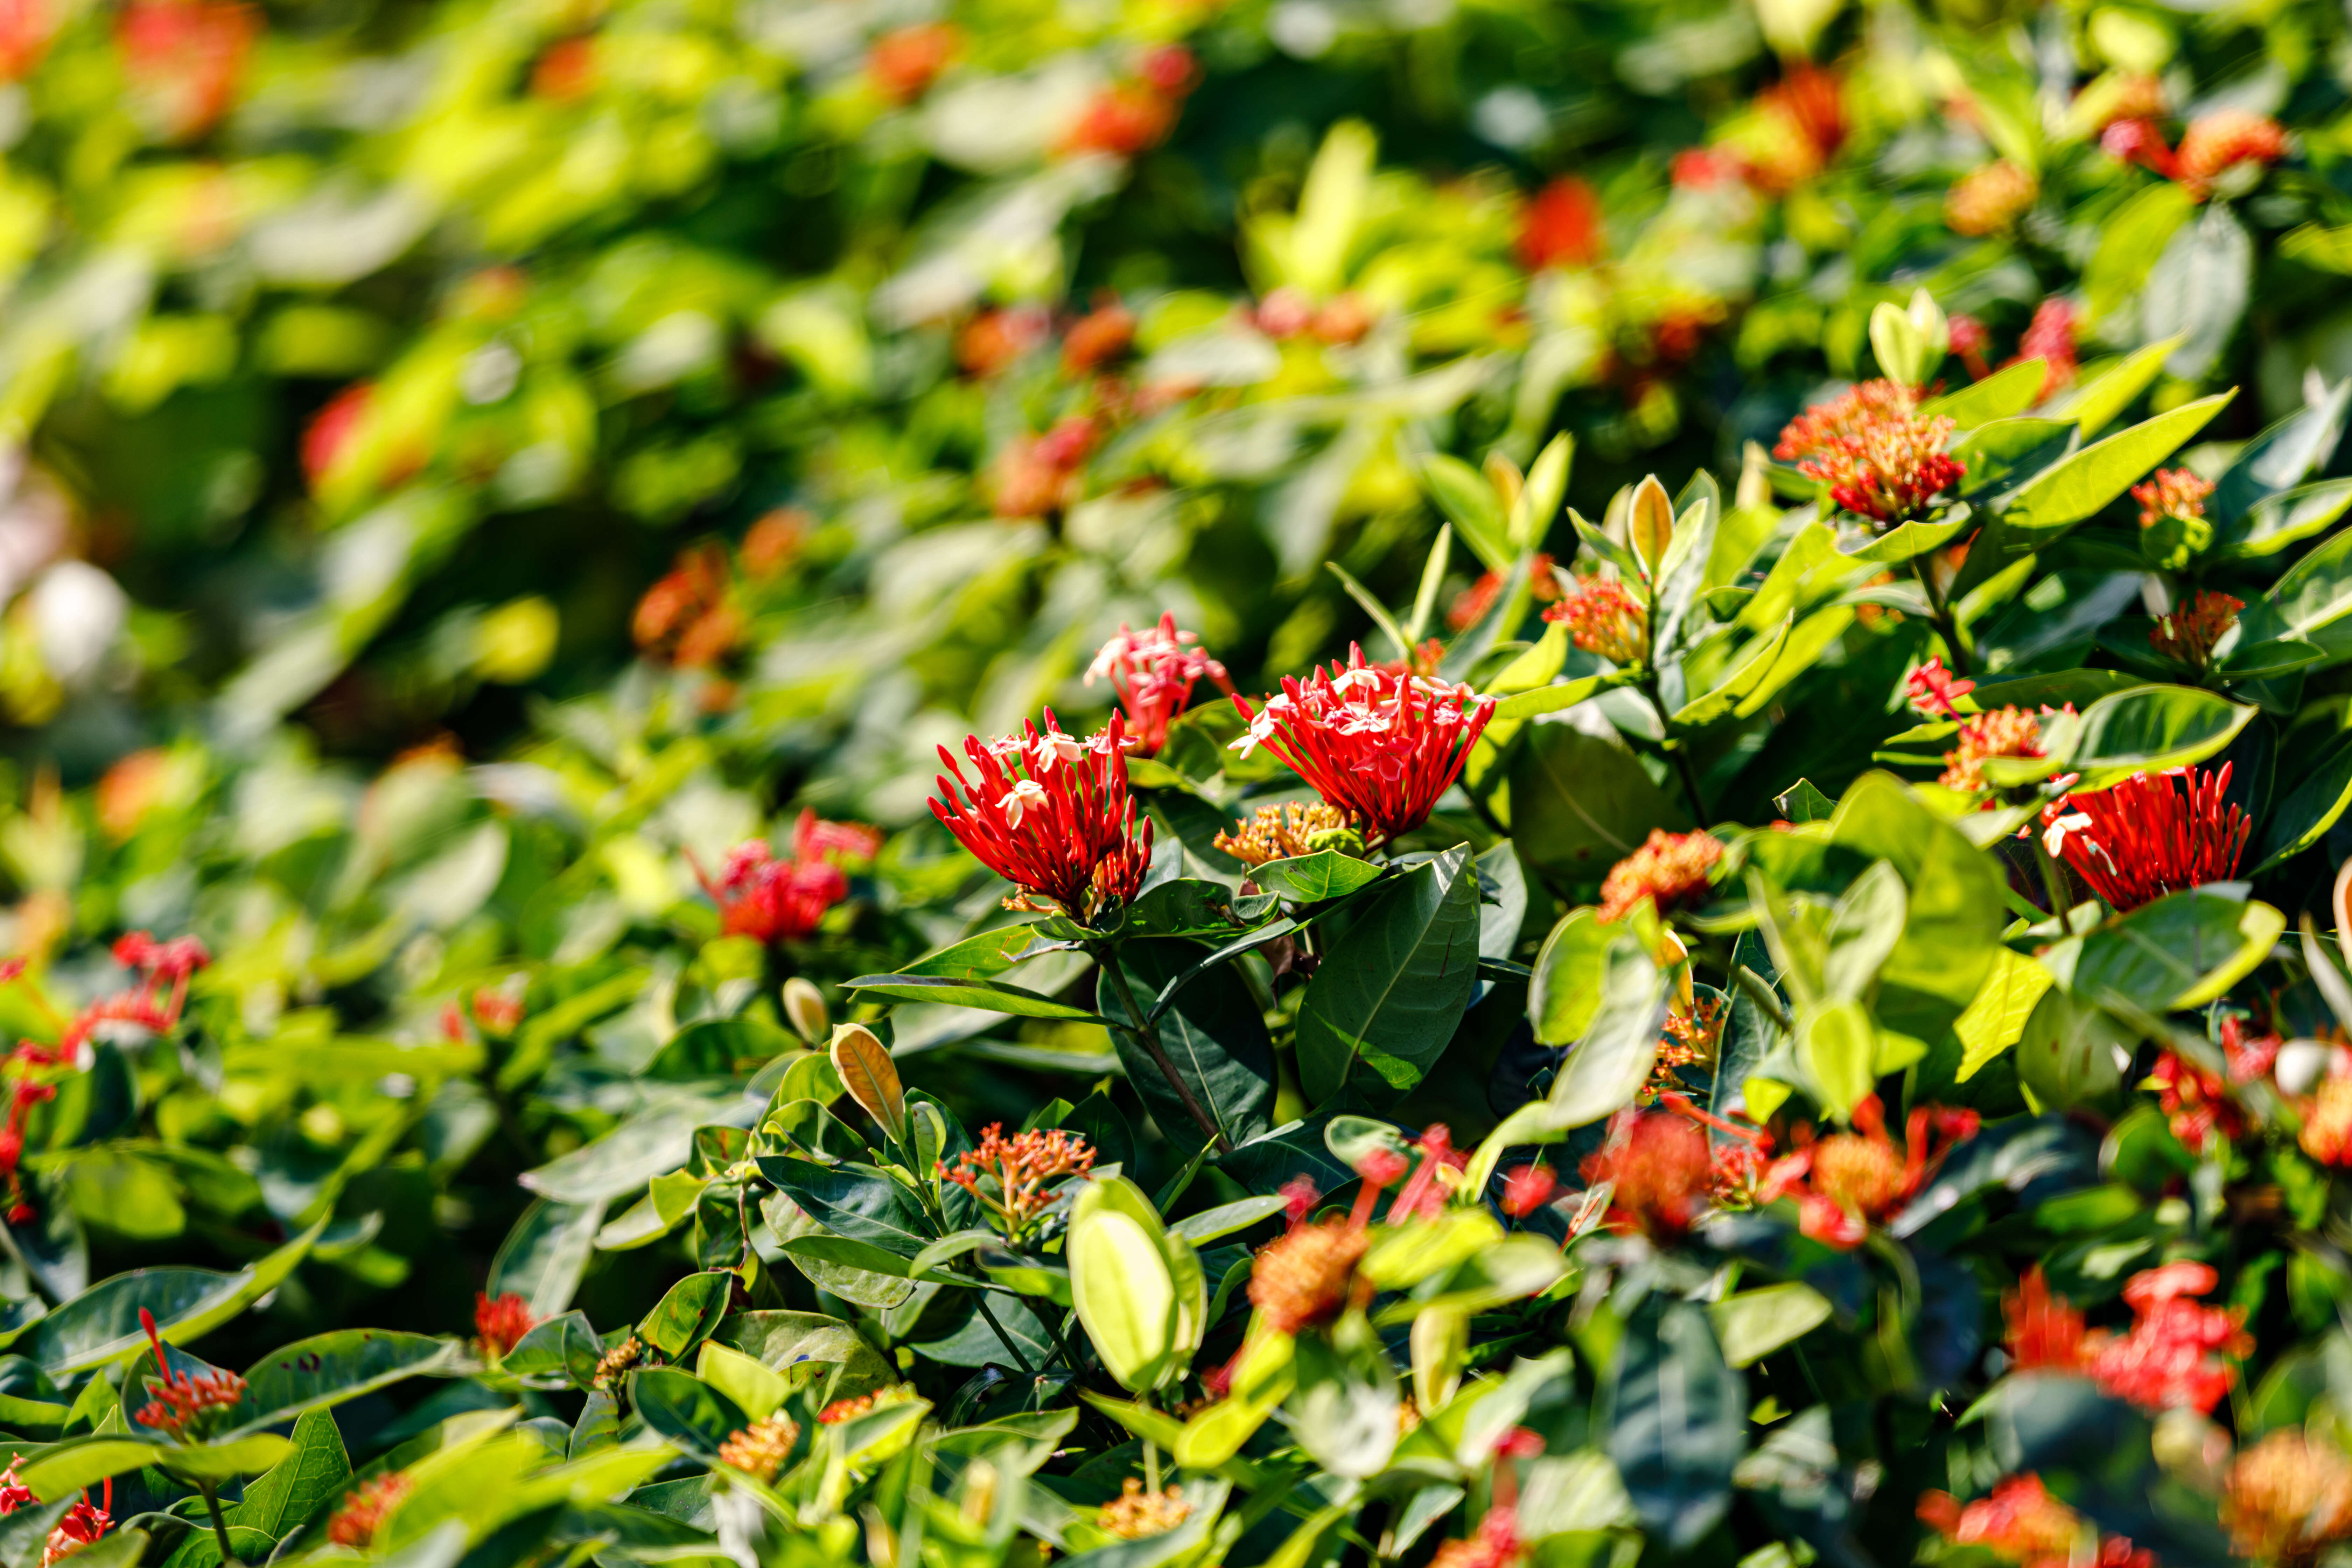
(2212, 145)
(1737, 1161)
(32, 1067)
(2170, 1357)
(685, 619)
(1471, 605)
(2050, 337)
(2172, 492)
(2009, 732)
(1528, 1189)
(1848, 1182)
(1039, 474)
(770, 899)
(905, 61)
(1153, 672)
(183, 1404)
(1051, 815)
(1658, 1167)
(1670, 869)
(1602, 616)
(2189, 634)
(185, 58)
(2143, 838)
(1561, 228)
(1016, 1179)
(1989, 199)
(1380, 745)
(1306, 1275)
(500, 1322)
(1136, 115)
(1880, 457)
(2020, 1522)
(355, 1523)
(1933, 689)
(83, 1524)
(1497, 1544)
(1433, 1179)
(2196, 1102)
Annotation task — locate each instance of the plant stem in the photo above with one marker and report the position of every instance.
(2053, 882)
(980, 1300)
(1760, 992)
(211, 1491)
(1147, 1034)
(1675, 748)
(1945, 627)
(1150, 1466)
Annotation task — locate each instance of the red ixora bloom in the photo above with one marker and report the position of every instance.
(2169, 1359)
(2050, 337)
(1658, 1167)
(183, 1403)
(1051, 815)
(500, 1322)
(2020, 1522)
(1561, 228)
(1153, 672)
(1016, 1179)
(1379, 744)
(770, 899)
(82, 1526)
(1933, 689)
(2190, 633)
(1848, 1182)
(2144, 837)
(1528, 1189)
(2196, 1102)
(1471, 605)
(1670, 869)
(1495, 1545)
(1424, 1192)
(1879, 455)
(186, 57)
(1602, 616)
(364, 1505)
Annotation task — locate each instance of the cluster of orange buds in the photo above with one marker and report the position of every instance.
(500, 1322)
(566, 70)
(1990, 198)
(761, 1449)
(1657, 1165)
(2020, 1522)
(2009, 731)
(1285, 832)
(1604, 616)
(1848, 1182)
(1562, 227)
(1040, 475)
(1288, 312)
(2213, 146)
(183, 1405)
(2287, 1496)
(1018, 1179)
(903, 62)
(1797, 126)
(1879, 455)
(1471, 605)
(1670, 871)
(1306, 1275)
(614, 1363)
(354, 1524)
(2171, 492)
(2326, 1132)
(1136, 1513)
(849, 1409)
(685, 618)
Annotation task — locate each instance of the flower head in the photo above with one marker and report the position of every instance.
(2145, 837)
(183, 1405)
(1528, 1189)
(1470, 606)
(2327, 1132)
(1657, 1165)
(185, 58)
(1306, 1275)
(842, 1410)
(1379, 744)
(1604, 618)
(14, 1493)
(1932, 690)
(2217, 143)
(1879, 455)
(1293, 828)
(354, 1524)
(761, 1449)
(1136, 1513)
(2189, 634)
(1496, 1544)
(772, 900)
(1670, 869)
(614, 1363)
(1562, 227)
(500, 1322)
(1848, 1182)
(1051, 815)
(2009, 732)
(82, 1525)
(2174, 493)
(905, 61)
(2020, 1522)
(1990, 198)
(685, 617)
(1153, 672)
(1433, 1179)
(2050, 337)
(2169, 1359)
(1017, 1179)
(2286, 1497)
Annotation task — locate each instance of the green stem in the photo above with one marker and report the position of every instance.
(1945, 627)
(980, 1302)
(220, 1526)
(1760, 992)
(1674, 747)
(2053, 882)
(1147, 1034)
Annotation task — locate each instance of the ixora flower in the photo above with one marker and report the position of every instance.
(1016, 1179)
(761, 1449)
(2196, 1102)
(183, 1404)
(1470, 606)
(2020, 1522)
(2170, 1359)
(1604, 618)
(2190, 633)
(500, 1322)
(849, 1409)
(1933, 689)
(1990, 198)
(82, 1524)
(1136, 1513)
(1153, 672)
(1379, 744)
(1306, 1275)
(2287, 1496)
(2009, 732)
(2144, 837)
(1658, 1167)
(1496, 1544)
(1879, 455)
(1670, 869)
(772, 900)
(1293, 828)
(355, 1523)
(1848, 1182)
(1051, 815)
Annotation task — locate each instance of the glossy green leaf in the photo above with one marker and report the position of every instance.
(1613, 1058)
(1388, 994)
(1213, 1035)
(1677, 1419)
(2151, 728)
(1311, 879)
(2084, 483)
(988, 995)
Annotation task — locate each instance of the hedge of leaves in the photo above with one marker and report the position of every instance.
(1270, 784)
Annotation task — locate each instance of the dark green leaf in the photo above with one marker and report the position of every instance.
(989, 996)
(1213, 1035)
(1677, 1416)
(684, 1410)
(1311, 879)
(1388, 996)
(853, 1201)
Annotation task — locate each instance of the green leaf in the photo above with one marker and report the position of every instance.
(691, 1310)
(1565, 992)
(989, 996)
(2070, 1053)
(1839, 1049)
(2151, 728)
(1677, 1419)
(1757, 661)
(1311, 879)
(78, 1463)
(2288, 518)
(1954, 909)
(1650, 524)
(687, 1411)
(2080, 485)
(2012, 389)
(1227, 1218)
(977, 957)
(102, 1324)
(2182, 950)
(1462, 493)
(1142, 1316)
(277, 1504)
(1581, 803)
(327, 1368)
(717, 1047)
(1904, 541)
(1387, 993)
(1213, 1034)
(1343, 1410)
(220, 1462)
(547, 1252)
(2198, 290)
(1752, 1324)
(1551, 699)
(1996, 1019)
(1613, 1059)
(2280, 459)
(1535, 667)
(1373, 607)
(2303, 817)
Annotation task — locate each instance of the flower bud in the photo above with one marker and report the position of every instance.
(804, 1010)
